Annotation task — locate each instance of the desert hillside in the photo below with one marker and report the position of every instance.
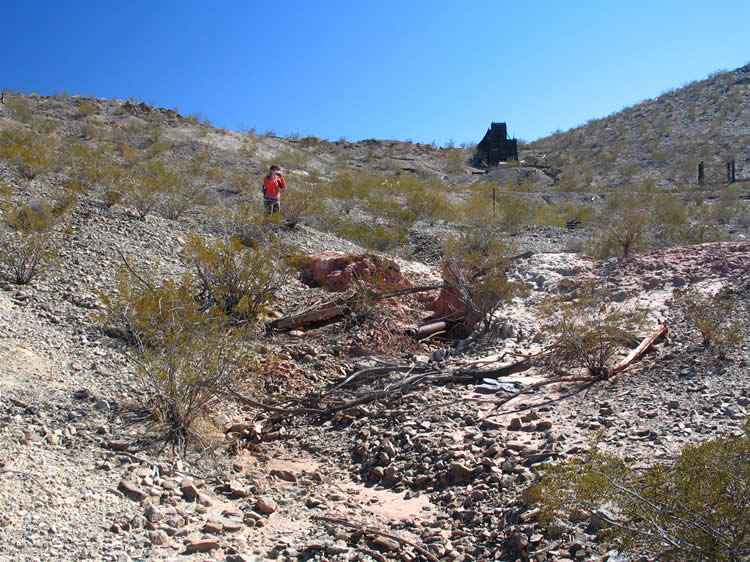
(386, 369)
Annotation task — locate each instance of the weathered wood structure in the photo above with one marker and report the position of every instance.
(496, 147)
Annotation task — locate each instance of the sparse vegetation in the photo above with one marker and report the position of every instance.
(694, 509)
(26, 242)
(587, 330)
(715, 317)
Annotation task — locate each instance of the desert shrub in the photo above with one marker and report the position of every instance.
(21, 108)
(301, 203)
(726, 207)
(29, 150)
(373, 236)
(558, 214)
(179, 196)
(291, 159)
(669, 218)
(476, 264)
(455, 159)
(587, 331)
(25, 254)
(86, 108)
(715, 317)
(26, 244)
(240, 281)
(512, 212)
(389, 210)
(350, 188)
(146, 188)
(477, 209)
(427, 201)
(620, 234)
(186, 357)
(694, 509)
(240, 181)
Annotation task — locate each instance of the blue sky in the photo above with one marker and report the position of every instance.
(425, 71)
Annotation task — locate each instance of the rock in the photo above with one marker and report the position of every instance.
(213, 527)
(188, 490)
(543, 425)
(153, 513)
(201, 545)
(131, 490)
(285, 475)
(82, 394)
(385, 544)
(102, 405)
(459, 472)
(515, 424)
(266, 505)
(158, 538)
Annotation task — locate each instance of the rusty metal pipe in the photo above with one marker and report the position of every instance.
(426, 330)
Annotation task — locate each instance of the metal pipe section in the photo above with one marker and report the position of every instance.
(426, 330)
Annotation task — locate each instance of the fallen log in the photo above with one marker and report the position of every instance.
(340, 307)
(605, 373)
(647, 342)
(308, 317)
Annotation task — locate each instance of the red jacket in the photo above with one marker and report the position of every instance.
(273, 186)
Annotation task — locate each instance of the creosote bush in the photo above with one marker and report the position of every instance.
(186, 357)
(695, 509)
(715, 317)
(240, 281)
(587, 331)
(26, 242)
(188, 336)
(476, 264)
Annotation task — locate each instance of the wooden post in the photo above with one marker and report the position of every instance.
(733, 176)
(701, 173)
(729, 172)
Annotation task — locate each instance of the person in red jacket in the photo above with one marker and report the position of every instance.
(273, 183)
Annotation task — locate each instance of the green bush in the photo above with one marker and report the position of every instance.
(694, 509)
(240, 281)
(373, 236)
(21, 108)
(178, 196)
(587, 331)
(30, 151)
(87, 108)
(187, 358)
(300, 203)
(426, 200)
(147, 186)
(26, 244)
(715, 317)
(476, 263)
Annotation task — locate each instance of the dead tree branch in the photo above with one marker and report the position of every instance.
(339, 307)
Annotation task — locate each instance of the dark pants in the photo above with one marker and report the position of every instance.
(272, 205)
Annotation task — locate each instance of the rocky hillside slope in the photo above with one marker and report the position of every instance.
(439, 472)
(661, 140)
